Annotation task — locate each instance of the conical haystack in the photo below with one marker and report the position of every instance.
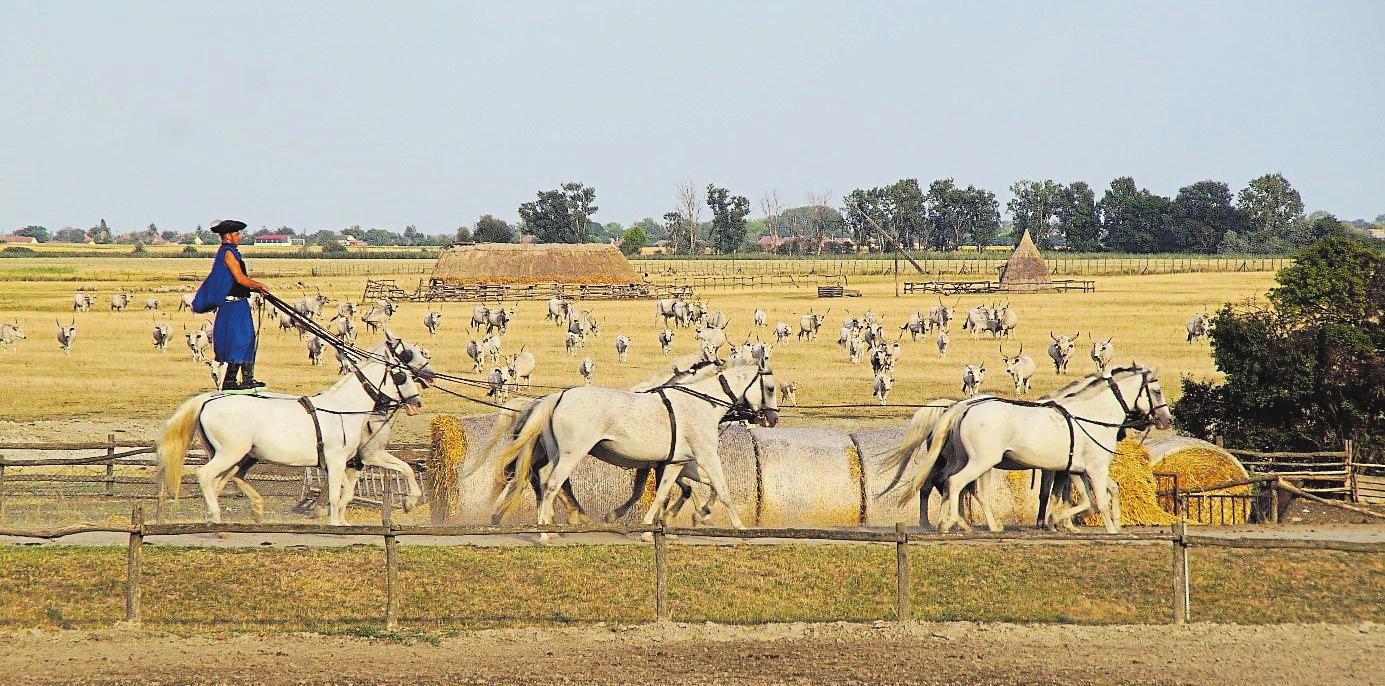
(518, 264)
(1026, 269)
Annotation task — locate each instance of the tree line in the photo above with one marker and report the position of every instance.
(1265, 217)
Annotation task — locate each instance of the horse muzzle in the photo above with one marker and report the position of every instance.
(768, 419)
(411, 409)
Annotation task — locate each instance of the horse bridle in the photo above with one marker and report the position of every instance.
(396, 373)
(1132, 411)
(738, 407)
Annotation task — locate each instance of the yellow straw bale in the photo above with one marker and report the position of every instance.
(1131, 471)
(1197, 467)
(448, 453)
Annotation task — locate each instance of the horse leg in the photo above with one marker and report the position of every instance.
(641, 476)
(979, 493)
(575, 513)
(972, 470)
(562, 469)
(336, 506)
(1084, 505)
(716, 477)
(666, 481)
(383, 459)
(209, 478)
(1101, 486)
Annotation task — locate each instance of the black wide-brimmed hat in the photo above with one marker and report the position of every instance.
(226, 226)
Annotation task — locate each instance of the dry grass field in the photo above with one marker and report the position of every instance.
(114, 376)
(342, 590)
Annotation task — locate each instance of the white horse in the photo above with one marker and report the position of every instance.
(634, 430)
(353, 418)
(1074, 432)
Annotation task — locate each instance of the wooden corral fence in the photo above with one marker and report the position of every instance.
(1326, 473)
(972, 287)
(382, 289)
(962, 263)
(901, 538)
(98, 472)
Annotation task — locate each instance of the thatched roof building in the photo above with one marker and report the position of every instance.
(515, 264)
(1026, 269)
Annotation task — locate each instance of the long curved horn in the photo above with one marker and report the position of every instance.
(1054, 337)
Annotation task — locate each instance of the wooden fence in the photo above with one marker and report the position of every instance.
(128, 453)
(901, 538)
(954, 264)
(1333, 473)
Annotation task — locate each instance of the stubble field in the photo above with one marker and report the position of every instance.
(114, 379)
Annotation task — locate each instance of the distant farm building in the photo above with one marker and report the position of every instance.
(21, 240)
(274, 239)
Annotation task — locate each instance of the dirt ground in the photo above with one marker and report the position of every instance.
(916, 653)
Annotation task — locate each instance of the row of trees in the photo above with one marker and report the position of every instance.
(1267, 216)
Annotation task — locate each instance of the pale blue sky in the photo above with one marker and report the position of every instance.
(322, 115)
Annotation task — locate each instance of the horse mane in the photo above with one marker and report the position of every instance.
(1087, 383)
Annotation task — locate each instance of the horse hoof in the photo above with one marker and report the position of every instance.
(610, 518)
(647, 537)
(544, 539)
(222, 535)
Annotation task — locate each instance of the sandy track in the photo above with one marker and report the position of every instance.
(697, 654)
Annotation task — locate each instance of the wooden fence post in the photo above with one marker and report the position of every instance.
(661, 612)
(1274, 501)
(2, 487)
(1351, 470)
(1181, 587)
(134, 564)
(901, 573)
(110, 464)
(391, 557)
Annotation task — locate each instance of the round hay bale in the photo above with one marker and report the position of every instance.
(873, 445)
(806, 477)
(1198, 464)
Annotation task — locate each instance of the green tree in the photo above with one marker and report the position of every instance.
(322, 238)
(633, 239)
(412, 236)
(1077, 217)
(653, 230)
(100, 233)
(1271, 207)
(1202, 213)
(1133, 218)
(463, 235)
(355, 231)
(70, 235)
(728, 218)
(382, 237)
(489, 229)
(37, 233)
(1307, 373)
(979, 214)
(1033, 208)
(560, 216)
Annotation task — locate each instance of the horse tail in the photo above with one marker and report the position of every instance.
(919, 428)
(514, 412)
(520, 453)
(172, 446)
(916, 472)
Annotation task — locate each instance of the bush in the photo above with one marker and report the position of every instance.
(190, 250)
(18, 251)
(334, 248)
(139, 249)
(1307, 373)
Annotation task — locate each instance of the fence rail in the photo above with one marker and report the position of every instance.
(1323, 472)
(900, 537)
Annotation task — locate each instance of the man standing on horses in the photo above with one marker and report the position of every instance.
(226, 291)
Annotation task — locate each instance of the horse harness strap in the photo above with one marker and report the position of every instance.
(307, 404)
(672, 423)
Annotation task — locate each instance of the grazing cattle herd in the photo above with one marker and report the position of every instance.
(860, 337)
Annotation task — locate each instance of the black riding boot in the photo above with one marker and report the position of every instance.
(228, 382)
(247, 377)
